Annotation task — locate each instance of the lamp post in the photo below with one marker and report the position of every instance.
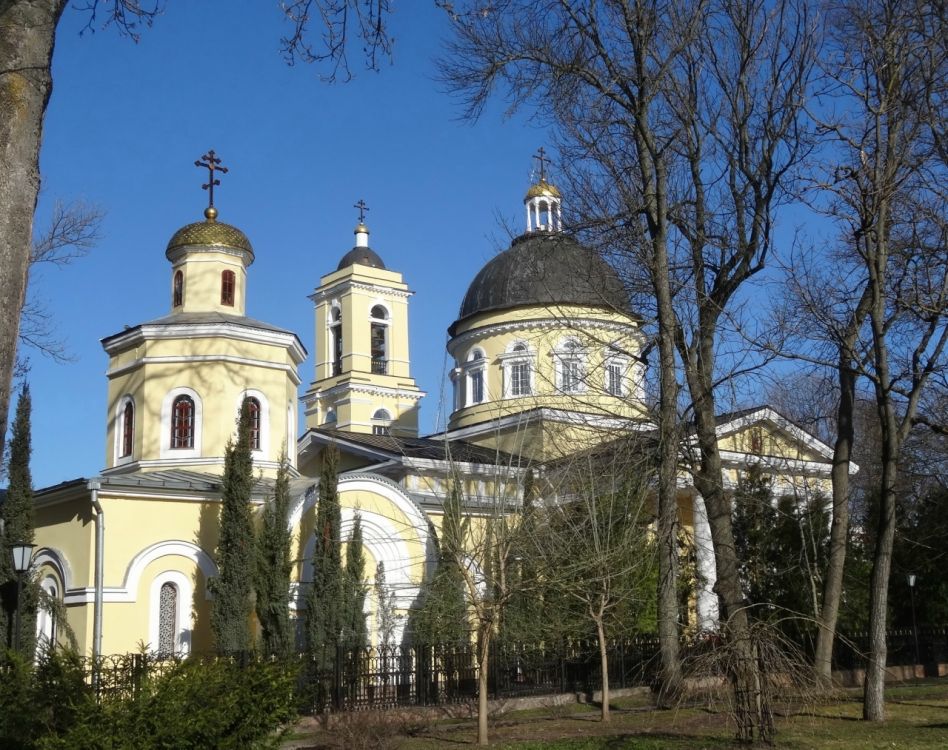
(22, 557)
(911, 583)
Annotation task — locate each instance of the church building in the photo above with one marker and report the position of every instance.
(547, 362)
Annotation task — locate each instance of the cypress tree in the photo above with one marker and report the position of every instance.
(324, 615)
(354, 632)
(385, 607)
(17, 515)
(273, 568)
(233, 587)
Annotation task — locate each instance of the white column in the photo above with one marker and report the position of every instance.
(707, 600)
(529, 222)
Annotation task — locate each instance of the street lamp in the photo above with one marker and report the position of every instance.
(911, 584)
(22, 557)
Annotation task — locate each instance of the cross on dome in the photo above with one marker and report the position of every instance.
(212, 164)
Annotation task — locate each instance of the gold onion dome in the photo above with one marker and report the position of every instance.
(542, 189)
(210, 233)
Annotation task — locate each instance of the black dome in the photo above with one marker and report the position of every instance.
(541, 269)
(364, 256)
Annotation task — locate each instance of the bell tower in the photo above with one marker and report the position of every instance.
(363, 379)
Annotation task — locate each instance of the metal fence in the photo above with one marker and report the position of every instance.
(346, 679)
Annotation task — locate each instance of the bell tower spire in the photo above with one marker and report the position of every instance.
(363, 379)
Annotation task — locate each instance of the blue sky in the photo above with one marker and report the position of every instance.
(126, 122)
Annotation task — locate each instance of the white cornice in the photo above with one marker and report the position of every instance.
(546, 323)
(341, 287)
(523, 418)
(372, 390)
(193, 358)
(765, 413)
(223, 330)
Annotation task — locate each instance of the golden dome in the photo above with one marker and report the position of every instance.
(542, 189)
(210, 233)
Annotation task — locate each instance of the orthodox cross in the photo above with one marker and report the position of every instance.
(540, 156)
(361, 205)
(211, 163)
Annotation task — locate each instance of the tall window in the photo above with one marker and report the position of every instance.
(128, 429)
(177, 294)
(517, 371)
(379, 340)
(182, 422)
(570, 367)
(614, 378)
(168, 619)
(228, 284)
(520, 379)
(253, 407)
(335, 332)
(475, 366)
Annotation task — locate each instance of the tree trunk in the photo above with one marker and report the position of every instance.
(482, 685)
(751, 712)
(839, 529)
(604, 666)
(27, 36)
(873, 708)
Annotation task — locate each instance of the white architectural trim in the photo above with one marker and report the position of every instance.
(55, 559)
(340, 287)
(371, 390)
(479, 333)
(46, 625)
(765, 413)
(184, 614)
(194, 358)
(234, 331)
(520, 419)
(165, 450)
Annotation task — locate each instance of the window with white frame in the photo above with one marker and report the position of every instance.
(518, 370)
(378, 339)
(381, 422)
(614, 376)
(170, 621)
(475, 373)
(570, 366)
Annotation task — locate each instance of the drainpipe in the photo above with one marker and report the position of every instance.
(99, 552)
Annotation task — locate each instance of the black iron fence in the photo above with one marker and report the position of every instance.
(383, 677)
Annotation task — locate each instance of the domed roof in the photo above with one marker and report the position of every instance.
(364, 256)
(543, 268)
(210, 233)
(542, 188)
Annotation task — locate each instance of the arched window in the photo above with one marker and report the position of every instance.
(182, 422)
(128, 429)
(253, 409)
(177, 295)
(228, 284)
(518, 373)
(570, 362)
(167, 619)
(331, 417)
(379, 340)
(475, 368)
(335, 335)
(382, 420)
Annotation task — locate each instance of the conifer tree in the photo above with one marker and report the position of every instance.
(354, 632)
(233, 588)
(324, 599)
(17, 515)
(385, 607)
(274, 567)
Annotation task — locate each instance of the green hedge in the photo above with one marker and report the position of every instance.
(220, 704)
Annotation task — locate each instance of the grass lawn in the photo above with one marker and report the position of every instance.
(917, 718)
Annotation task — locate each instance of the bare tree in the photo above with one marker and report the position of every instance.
(591, 541)
(692, 111)
(887, 63)
(480, 540)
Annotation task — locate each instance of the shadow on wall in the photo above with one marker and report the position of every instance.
(202, 640)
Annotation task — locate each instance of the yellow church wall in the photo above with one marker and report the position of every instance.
(202, 282)
(69, 529)
(220, 386)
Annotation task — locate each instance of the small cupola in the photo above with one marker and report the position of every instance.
(209, 258)
(361, 254)
(542, 201)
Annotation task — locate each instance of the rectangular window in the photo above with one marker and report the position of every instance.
(520, 379)
(477, 386)
(614, 379)
(570, 376)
